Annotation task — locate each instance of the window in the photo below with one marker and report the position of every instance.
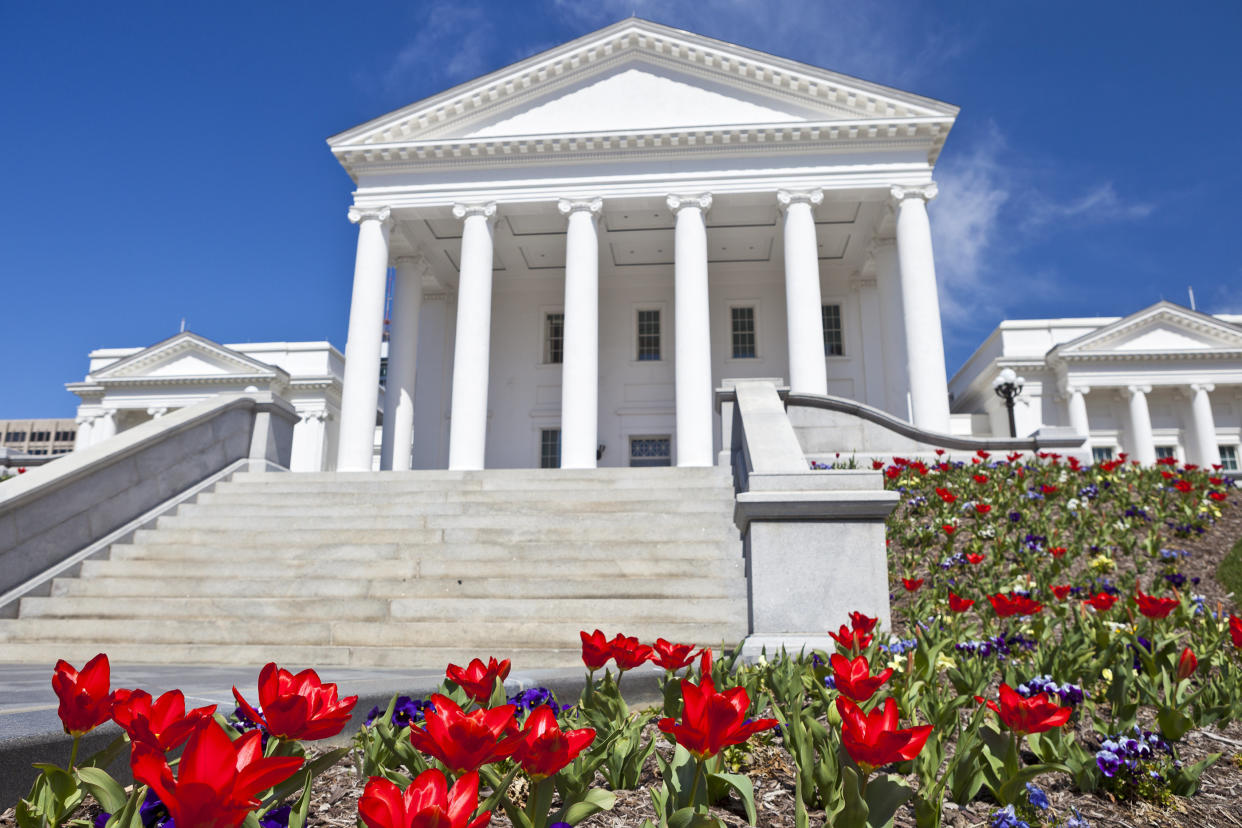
(61, 451)
(1229, 458)
(553, 338)
(650, 451)
(65, 436)
(549, 447)
(833, 344)
(1165, 452)
(384, 371)
(40, 436)
(15, 437)
(1101, 454)
(648, 336)
(743, 326)
(38, 451)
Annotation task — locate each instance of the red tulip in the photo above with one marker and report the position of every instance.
(712, 721)
(1183, 486)
(1154, 607)
(1033, 715)
(1061, 591)
(466, 742)
(946, 495)
(1187, 664)
(628, 653)
(672, 656)
(163, 724)
(862, 623)
(949, 528)
(426, 803)
(1235, 630)
(851, 639)
(217, 780)
(981, 479)
(982, 508)
(959, 604)
(297, 706)
(545, 748)
(1101, 602)
(854, 679)
(595, 650)
(912, 584)
(1057, 551)
(85, 700)
(975, 558)
(1008, 604)
(1217, 496)
(477, 679)
(1047, 490)
(873, 740)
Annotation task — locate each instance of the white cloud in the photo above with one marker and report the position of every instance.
(1099, 204)
(453, 43)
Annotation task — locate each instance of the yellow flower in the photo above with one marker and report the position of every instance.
(1106, 674)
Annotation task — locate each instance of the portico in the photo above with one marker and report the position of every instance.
(588, 241)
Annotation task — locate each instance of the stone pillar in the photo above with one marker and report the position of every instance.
(82, 437)
(1207, 452)
(804, 325)
(1142, 445)
(472, 349)
(103, 427)
(929, 386)
(407, 304)
(1078, 413)
(309, 437)
(580, 363)
(888, 287)
(871, 341)
(692, 331)
(360, 387)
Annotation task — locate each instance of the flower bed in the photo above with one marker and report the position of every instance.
(1057, 647)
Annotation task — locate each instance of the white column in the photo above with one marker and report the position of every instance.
(888, 287)
(104, 427)
(804, 319)
(872, 344)
(580, 363)
(309, 436)
(407, 304)
(1142, 445)
(692, 331)
(82, 438)
(1078, 413)
(472, 350)
(360, 387)
(1204, 425)
(929, 386)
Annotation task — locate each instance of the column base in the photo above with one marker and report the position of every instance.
(769, 645)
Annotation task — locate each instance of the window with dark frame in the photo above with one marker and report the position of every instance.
(1101, 454)
(1165, 452)
(833, 341)
(648, 336)
(743, 326)
(651, 451)
(549, 448)
(1229, 458)
(553, 338)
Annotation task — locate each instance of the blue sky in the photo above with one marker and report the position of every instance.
(167, 160)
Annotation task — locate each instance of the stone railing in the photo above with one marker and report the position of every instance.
(813, 540)
(51, 514)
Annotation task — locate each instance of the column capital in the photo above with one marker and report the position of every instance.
(157, 411)
(1078, 389)
(321, 415)
(676, 203)
(899, 193)
(786, 198)
(86, 419)
(580, 205)
(357, 215)
(1131, 390)
(487, 209)
(1206, 387)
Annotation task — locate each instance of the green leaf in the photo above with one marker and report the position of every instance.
(745, 790)
(130, 816)
(1173, 723)
(1016, 784)
(596, 800)
(854, 813)
(107, 755)
(103, 787)
(297, 814)
(884, 795)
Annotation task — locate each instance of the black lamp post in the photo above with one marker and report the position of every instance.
(1008, 386)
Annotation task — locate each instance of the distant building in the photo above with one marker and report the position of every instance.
(39, 438)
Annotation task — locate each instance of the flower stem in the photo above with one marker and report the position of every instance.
(73, 753)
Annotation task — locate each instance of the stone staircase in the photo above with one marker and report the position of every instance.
(408, 570)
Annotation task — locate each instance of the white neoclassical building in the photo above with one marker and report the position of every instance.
(1163, 382)
(589, 241)
(125, 387)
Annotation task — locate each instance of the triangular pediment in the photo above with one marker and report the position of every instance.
(1163, 328)
(183, 356)
(637, 76)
